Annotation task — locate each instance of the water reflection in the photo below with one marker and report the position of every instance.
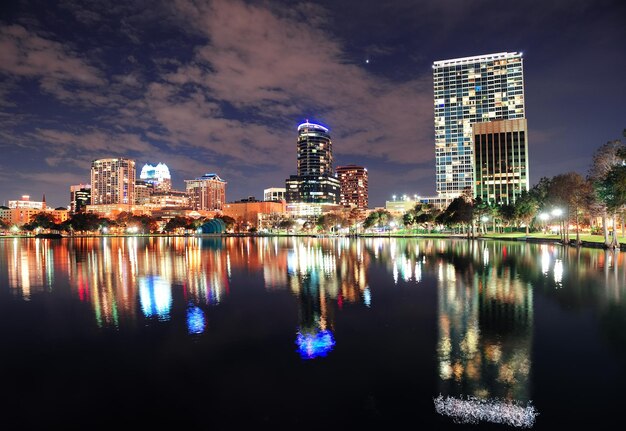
(485, 289)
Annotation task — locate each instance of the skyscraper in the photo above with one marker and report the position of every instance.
(113, 181)
(315, 181)
(501, 160)
(353, 181)
(207, 192)
(80, 196)
(159, 176)
(471, 90)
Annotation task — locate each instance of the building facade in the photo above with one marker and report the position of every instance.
(248, 214)
(354, 189)
(25, 203)
(471, 90)
(113, 181)
(159, 176)
(500, 160)
(275, 194)
(315, 180)
(143, 190)
(207, 192)
(80, 197)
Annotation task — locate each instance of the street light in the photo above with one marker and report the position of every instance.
(394, 198)
(557, 213)
(544, 218)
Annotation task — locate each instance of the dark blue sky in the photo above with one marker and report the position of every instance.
(221, 86)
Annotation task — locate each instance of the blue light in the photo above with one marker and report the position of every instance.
(478, 88)
(155, 296)
(311, 346)
(195, 320)
(367, 297)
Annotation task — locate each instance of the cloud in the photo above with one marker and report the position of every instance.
(25, 54)
(279, 69)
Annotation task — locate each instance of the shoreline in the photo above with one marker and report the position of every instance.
(530, 239)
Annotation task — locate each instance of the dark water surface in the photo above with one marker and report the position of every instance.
(306, 333)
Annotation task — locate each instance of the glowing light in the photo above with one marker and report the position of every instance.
(558, 272)
(196, 321)
(155, 296)
(474, 410)
(311, 346)
(367, 297)
(308, 125)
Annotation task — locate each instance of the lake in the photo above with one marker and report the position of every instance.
(310, 333)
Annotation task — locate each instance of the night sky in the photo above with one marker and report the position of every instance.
(221, 86)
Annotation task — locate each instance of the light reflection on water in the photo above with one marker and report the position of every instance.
(485, 290)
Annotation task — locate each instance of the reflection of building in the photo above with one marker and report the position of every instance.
(500, 160)
(207, 192)
(485, 324)
(467, 91)
(315, 181)
(354, 190)
(80, 197)
(113, 181)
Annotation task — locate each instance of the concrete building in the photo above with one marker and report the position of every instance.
(275, 194)
(353, 181)
(500, 160)
(247, 214)
(80, 197)
(207, 192)
(471, 90)
(315, 181)
(113, 181)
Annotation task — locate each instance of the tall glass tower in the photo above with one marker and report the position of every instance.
(315, 181)
(471, 90)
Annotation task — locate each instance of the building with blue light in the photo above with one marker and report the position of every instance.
(159, 176)
(467, 91)
(315, 181)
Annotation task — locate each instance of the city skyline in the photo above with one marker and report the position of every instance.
(184, 84)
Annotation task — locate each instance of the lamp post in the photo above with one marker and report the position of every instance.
(484, 219)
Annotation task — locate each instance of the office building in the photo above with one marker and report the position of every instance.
(207, 192)
(275, 194)
(471, 90)
(113, 181)
(143, 190)
(500, 160)
(159, 176)
(315, 181)
(80, 197)
(353, 183)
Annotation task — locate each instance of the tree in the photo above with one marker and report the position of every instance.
(569, 192)
(379, 218)
(459, 212)
(84, 222)
(228, 221)
(526, 207)
(41, 220)
(604, 159)
(327, 222)
(177, 223)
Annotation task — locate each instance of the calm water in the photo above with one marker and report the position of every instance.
(306, 333)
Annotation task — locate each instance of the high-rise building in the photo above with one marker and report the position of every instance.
(80, 197)
(471, 90)
(315, 181)
(207, 192)
(143, 190)
(353, 180)
(274, 194)
(159, 176)
(500, 160)
(113, 181)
